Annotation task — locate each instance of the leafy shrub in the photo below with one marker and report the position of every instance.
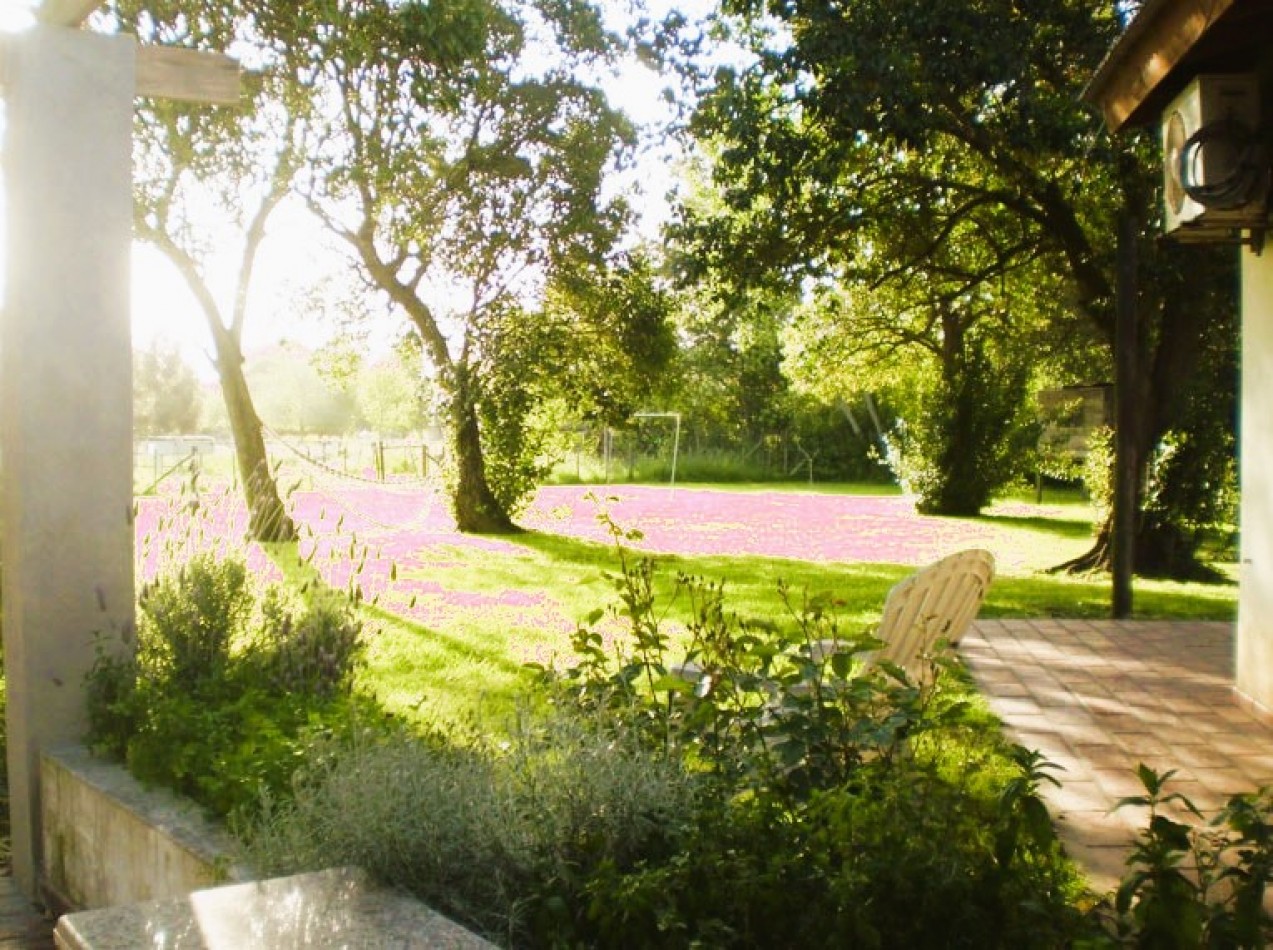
(223, 693)
(187, 625)
(313, 651)
(1195, 887)
(830, 786)
(505, 839)
(971, 433)
(782, 799)
(1098, 471)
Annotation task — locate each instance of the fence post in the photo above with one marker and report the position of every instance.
(378, 451)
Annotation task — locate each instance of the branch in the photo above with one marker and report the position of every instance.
(280, 184)
(188, 268)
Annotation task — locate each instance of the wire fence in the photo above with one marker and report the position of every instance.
(656, 448)
(361, 458)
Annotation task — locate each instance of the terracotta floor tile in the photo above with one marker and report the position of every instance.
(1100, 697)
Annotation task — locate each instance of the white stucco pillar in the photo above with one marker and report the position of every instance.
(65, 391)
(1254, 643)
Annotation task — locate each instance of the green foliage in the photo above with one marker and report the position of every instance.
(224, 691)
(1098, 471)
(166, 396)
(505, 840)
(610, 324)
(783, 798)
(465, 158)
(292, 396)
(827, 787)
(1191, 492)
(392, 395)
(1196, 887)
(970, 437)
(1190, 496)
(932, 164)
(186, 624)
(514, 385)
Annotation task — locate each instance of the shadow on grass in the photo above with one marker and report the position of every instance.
(304, 575)
(1056, 596)
(752, 580)
(1070, 529)
(489, 652)
(747, 577)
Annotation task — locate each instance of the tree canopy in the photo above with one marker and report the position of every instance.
(205, 178)
(463, 152)
(936, 154)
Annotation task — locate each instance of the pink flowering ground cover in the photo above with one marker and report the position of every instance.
(882, 529)
(398, 544)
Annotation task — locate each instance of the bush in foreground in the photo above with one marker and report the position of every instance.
(781, 800)
(225, 688)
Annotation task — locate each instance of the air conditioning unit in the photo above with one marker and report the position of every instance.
(1215, 159)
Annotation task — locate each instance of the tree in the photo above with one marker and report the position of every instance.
(203, 178)
(898, 142)
(166, 394)
(612, 323)
(462, 158)
(954, 370)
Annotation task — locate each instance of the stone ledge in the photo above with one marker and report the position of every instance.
(325, 909)
(110, 840)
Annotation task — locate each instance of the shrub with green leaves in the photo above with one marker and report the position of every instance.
(848, 806)
(775, 798)
(224, 690)
(504, 837)
(1194, 886)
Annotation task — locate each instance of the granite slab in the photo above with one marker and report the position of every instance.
(341, 907)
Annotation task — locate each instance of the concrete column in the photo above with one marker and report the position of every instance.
(1254, 642)
(65, 392)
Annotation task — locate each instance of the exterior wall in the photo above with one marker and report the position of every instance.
(1253, 659)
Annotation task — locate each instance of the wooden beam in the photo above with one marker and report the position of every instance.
(67, 12)
(190, 75)
(1155, 42)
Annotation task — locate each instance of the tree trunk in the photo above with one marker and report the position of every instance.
(268, 520)
(1170, 347)
(1161, 550)
(477, 510)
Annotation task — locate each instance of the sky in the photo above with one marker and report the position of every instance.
(296, 253)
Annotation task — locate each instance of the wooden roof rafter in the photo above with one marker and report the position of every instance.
(162, 71)
(1168, 43)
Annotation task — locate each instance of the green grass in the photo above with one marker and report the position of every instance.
(471, 660)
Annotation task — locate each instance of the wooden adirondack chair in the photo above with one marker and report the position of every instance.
(938, 602)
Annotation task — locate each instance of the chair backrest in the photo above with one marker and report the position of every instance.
(937, 602)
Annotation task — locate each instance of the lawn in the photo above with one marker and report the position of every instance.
(456, 618)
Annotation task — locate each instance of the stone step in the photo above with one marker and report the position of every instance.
(341, 907)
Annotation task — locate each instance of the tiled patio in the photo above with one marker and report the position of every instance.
(1097, 698)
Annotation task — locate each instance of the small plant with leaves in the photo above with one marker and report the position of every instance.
(1192, 884)
(826, 782)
